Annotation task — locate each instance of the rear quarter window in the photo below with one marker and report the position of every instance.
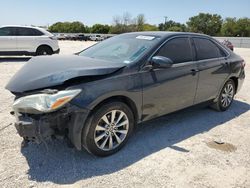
(206, 49)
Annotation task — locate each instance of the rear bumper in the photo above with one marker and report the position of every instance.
(67, 122)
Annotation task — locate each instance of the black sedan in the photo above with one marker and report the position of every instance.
(96, 98)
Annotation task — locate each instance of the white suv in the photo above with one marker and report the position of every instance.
(22, 40)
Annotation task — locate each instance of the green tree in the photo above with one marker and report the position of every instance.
(125, 23)
(87, 29)
(140, 21)
(243, 25)
(99, 28)
(149, 27)
(57, 27)
(120, 24)
(172, 26)
(209, 24)
(176, 28)
(67, 27)
(76, 27)
(229, 27)
(236, 28)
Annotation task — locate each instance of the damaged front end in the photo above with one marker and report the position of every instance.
(49, 114)
(42, 112)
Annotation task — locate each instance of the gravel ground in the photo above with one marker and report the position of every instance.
(171, 151)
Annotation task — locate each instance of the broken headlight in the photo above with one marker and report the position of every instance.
(44, 103)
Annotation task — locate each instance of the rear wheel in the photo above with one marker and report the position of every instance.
(44, 50)
(108, 129)
(226, 96)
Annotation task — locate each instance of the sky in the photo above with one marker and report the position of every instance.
(47, 12)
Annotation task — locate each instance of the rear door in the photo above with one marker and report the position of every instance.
(169, 89)
(8, 41)
(213, 68)
(27, 39)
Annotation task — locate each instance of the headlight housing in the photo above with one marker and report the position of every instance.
(44, 103)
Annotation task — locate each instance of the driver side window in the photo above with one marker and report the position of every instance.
(7, 31)
(177, 49)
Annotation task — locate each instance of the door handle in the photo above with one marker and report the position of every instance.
(194, 71)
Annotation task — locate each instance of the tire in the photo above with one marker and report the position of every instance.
(44, 50)
(226, 97)
(100, 136)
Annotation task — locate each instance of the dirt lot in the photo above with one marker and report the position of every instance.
(168, 152)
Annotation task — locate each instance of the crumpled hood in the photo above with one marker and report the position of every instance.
(48, 71)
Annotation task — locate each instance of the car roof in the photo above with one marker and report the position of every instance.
(20, 26)
(164, 34)
(32, 27)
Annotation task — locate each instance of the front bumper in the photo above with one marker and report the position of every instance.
(57, 51)
(33, 130)
(68, 121)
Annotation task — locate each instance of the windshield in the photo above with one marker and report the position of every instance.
(125, 48)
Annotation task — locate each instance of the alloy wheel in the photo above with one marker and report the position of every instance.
(111, 130)
(227, 95)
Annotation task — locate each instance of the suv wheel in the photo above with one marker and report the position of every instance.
(44, 50)
(108, 129)
(226, 96)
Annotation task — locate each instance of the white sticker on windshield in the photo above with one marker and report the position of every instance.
(126, 61)
(145, 37)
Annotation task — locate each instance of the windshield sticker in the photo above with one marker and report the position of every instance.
(126, 61)
(145, 37)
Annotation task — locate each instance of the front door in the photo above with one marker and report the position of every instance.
(169, 89)
(8, 41)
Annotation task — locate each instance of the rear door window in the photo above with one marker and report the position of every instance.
(177, 49)
(206, 49)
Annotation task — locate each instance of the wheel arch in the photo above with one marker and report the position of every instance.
(235, 80)
(78, 139)
(119, 98)
(44, 45)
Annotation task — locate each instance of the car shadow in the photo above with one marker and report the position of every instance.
(14, 59)
(62, 165)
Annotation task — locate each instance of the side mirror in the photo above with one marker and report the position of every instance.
(161, 62)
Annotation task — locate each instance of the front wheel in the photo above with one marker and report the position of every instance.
(108, 129)
(226, 96)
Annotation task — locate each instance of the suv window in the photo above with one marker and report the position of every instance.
(206, 49)
(7, 31)
(178, 50)
(28, 32)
